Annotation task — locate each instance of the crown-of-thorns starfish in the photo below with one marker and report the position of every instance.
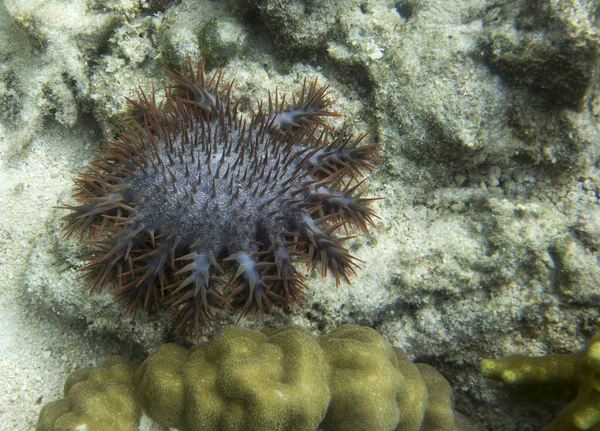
(194, 205)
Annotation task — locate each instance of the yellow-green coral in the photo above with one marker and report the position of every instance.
(241, 380)
(581, 369)
(287, 379)
(96, 399)
(360, 358)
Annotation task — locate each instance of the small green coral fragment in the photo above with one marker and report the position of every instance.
(96, 399)
(286, 379)
(581, 369)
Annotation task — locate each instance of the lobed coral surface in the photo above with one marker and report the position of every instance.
(285, 379)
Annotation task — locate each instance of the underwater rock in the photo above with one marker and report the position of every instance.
(551, 47)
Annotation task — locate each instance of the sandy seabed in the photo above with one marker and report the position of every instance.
(37, 351)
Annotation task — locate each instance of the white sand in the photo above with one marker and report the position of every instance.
(36, 351)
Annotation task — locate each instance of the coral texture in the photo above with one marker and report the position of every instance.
(286, 379)
(191, 188)
(581, 369)
(96, 399)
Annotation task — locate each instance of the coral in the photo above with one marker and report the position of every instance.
(45, 71)
(286, 379)
(581, 369)
(551, 47)
(307, 24)
(190, 190)
(96, 399)
(240, 380)
(220, 40)
(402, 396)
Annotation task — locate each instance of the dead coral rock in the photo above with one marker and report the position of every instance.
(295, 26)
(551, 46)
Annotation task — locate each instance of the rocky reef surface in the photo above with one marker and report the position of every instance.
(488, 113)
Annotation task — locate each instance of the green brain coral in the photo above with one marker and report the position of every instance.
(241, 380)
(96, 399)
(286, 379)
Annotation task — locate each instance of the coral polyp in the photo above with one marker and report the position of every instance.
(196, 206)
